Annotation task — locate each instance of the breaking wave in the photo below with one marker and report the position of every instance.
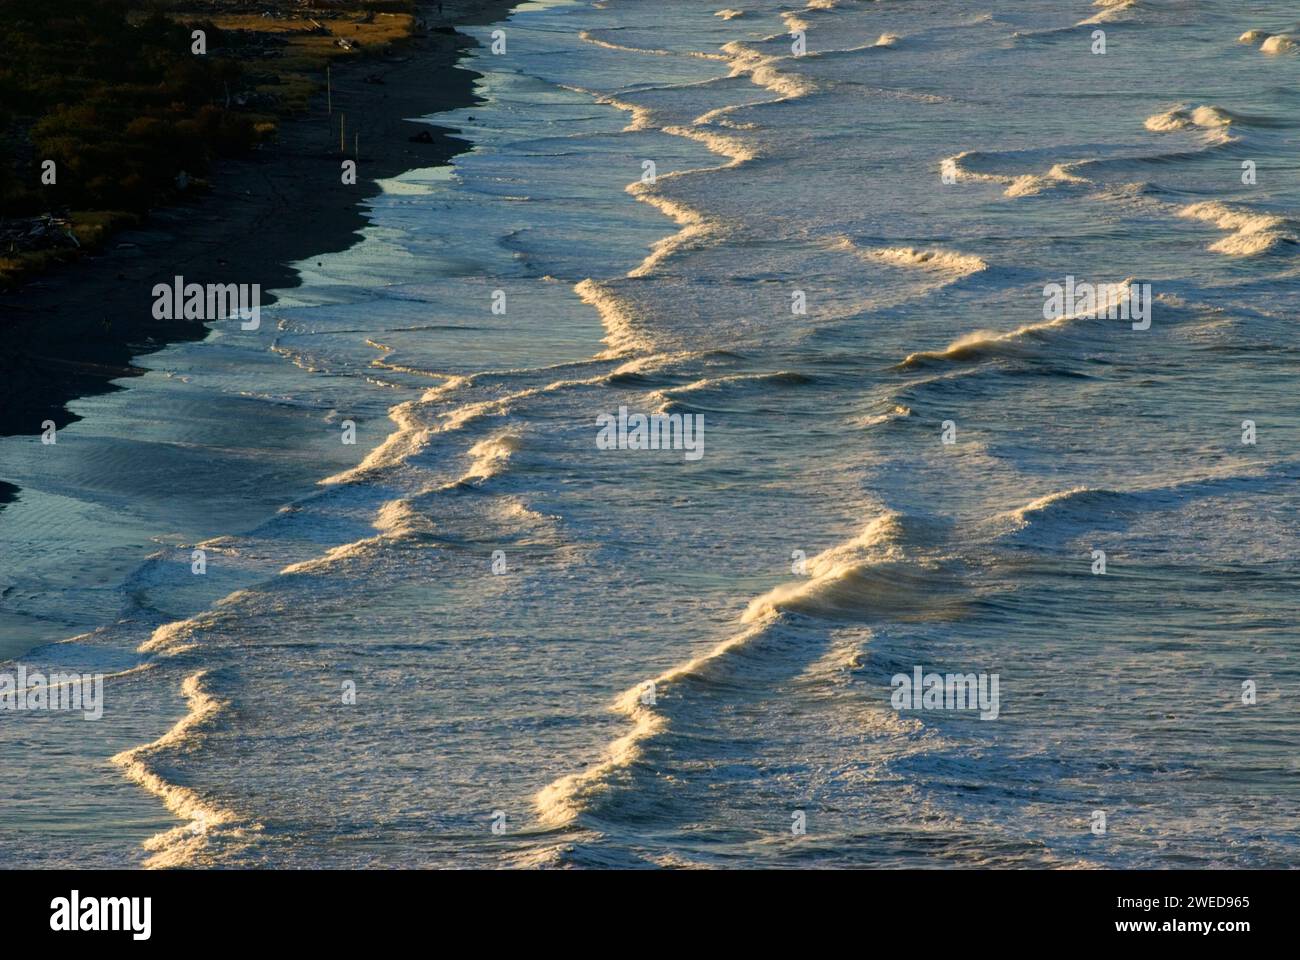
(983, 343)
(1250, 233)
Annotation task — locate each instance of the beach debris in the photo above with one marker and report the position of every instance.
(37, 233)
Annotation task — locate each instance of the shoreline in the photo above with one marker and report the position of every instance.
(71, 332)
(432, 81)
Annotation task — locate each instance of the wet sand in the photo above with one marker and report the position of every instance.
(73, 331)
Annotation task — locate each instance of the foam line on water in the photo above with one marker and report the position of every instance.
(142, 766)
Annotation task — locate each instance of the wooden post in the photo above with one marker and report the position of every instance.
(329, 90)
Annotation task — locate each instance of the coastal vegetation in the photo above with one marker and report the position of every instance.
(108, 108)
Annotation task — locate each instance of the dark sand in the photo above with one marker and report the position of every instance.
(71, 332)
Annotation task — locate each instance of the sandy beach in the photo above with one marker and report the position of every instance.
(818, 436)
(73, 331)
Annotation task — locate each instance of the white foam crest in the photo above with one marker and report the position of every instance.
(51, 684)
(1209, 116)
(666, 397)
(620, 326)
(1111, 10)
(382, 364)
(587, 37)
(719, 115)
(932, 268)
(694, 228)
(514, 510)
(564, 799)
(653, 362)
(499, 406)
(1022, 515)
(1211, 121)
(1251, 232)
(1111, 298)
(495, 407)
(1023, 185)
(411, 436)
(788, 86)
(641, 116)
(729, 14)
(561, 801)
(345, 551)
(879, 542)
(947, 262)
(299, 360)
(733, 148)
(794, 22)
(490, 456)
(1034, 184)
(181, 844)
(884, 41)
(953, 166)
(177, 637)
(402, 518)
(761, 70)
(896, 412)
(413, 433)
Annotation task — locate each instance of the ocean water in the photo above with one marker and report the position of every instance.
(627, 658)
